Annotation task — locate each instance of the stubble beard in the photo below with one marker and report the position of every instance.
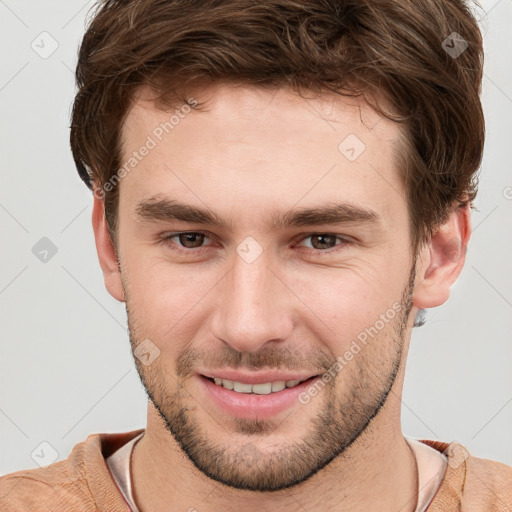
(345, 415)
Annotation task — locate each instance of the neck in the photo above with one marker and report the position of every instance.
(377, 472)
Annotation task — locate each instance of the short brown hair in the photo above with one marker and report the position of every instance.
(392, 52)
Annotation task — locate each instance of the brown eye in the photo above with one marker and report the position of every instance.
(323, 241)
(191, 240)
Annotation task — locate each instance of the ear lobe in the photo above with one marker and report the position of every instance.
(442, 259)
(106, 252)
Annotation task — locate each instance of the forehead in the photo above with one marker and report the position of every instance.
(262, 146)
(263, 109)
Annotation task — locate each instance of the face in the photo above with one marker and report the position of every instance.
(268, 277)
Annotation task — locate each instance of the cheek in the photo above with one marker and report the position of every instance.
(166, 299)
(356, 304)
(353, 294)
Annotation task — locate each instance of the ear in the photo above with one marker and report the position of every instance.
(442, 258)
(106, 250)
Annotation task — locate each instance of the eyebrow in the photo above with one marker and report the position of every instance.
(156, 208)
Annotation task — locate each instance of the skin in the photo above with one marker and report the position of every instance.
(255, 151)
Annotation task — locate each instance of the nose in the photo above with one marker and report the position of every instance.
(254, 306)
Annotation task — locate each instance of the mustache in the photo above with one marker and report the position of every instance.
(288, 358)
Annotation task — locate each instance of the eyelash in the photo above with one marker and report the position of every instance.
(167, 237)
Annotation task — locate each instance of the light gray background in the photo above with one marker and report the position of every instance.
(65, 362)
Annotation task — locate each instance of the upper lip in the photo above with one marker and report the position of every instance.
(248, 377)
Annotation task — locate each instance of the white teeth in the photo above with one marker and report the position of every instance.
(242, 388)
(262, 389)
(259, 389)
(278, 385)
(228, 384)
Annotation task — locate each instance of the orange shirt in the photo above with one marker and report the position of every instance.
(83, 483)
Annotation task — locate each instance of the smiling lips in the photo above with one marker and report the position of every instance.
(260, 383)
(264, 388)
(254, 395)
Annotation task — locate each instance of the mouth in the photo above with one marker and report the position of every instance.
(254, 396)
(263, 388)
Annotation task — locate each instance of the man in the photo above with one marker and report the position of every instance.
(280, 188)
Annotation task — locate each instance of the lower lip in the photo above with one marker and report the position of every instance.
(253, 406)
